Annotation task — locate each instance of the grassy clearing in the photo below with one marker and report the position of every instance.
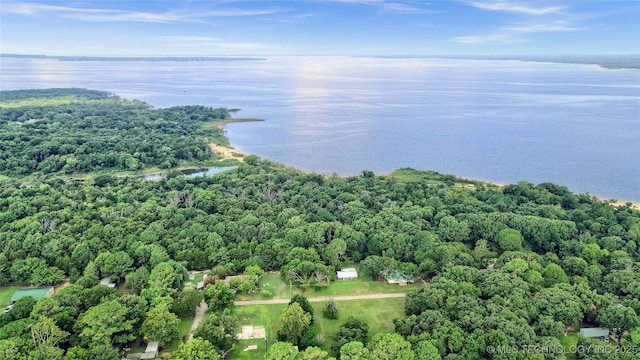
(569, 342)
(378, 313)
(239, 353)
(44, 101)
(183, 332)
(360, 287)
(281, 290)
(6, 292)
(432, 178)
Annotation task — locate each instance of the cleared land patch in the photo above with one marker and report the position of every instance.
(378, 313)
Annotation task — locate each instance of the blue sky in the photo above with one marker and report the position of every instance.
(319, 27)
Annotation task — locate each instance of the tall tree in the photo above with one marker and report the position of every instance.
(354, 350)
(618, 318)
(282, 351)
(187, 302)
(314, 353)
(160, 325)
(295, 322)
(354, 329)
(45, 332)
(330, 310)
(218, 296)
(390, 347)
(220, 330)
(304, 304)
(196, 349)
(106, 322)
(509, 240)
(138, 279)
(427, 351)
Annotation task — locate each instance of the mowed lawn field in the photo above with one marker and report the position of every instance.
(183, 332)
(278, 289)
(378, 313)
(6, 292)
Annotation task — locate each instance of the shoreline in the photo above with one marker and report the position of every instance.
(228, 151)
(224, 122)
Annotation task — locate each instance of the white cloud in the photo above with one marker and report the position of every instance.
(487, 39)
(529, 9)
(391, 6)
(515, 32)
(405, 8)
(557, 26)
(104, 15)
(295, 18)
(179, 38)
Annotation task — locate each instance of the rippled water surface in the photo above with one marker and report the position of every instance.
(503, 121)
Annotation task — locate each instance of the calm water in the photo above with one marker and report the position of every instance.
(503, 121)
(190, 173)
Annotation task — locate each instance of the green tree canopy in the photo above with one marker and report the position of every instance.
(295, 322)
(196, 349)
(218, 296)
(106, 321)
(282, 351)
(220, 330)
(160, 325)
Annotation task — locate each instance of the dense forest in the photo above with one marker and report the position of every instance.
(72, 130)
(502, 267)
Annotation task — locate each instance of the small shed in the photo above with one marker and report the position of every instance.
(151, 351)
(107, 282)
(200, 285)
(597, 332)
(36, 293)
(347, 274)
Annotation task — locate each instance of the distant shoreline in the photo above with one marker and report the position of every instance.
(135, 58)
(607, 62)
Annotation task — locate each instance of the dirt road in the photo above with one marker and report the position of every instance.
(198, 318)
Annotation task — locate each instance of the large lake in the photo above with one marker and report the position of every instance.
(502, 121)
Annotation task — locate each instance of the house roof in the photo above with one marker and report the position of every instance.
(107, 281)
(594, 332)
(36, 293)
(347, 273)
(152, 346)
(151, 351)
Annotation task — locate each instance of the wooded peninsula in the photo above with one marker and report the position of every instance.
(267, 262)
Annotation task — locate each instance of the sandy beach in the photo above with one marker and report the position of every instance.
(229, 152)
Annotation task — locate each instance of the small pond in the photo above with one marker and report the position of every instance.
(193, 172)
